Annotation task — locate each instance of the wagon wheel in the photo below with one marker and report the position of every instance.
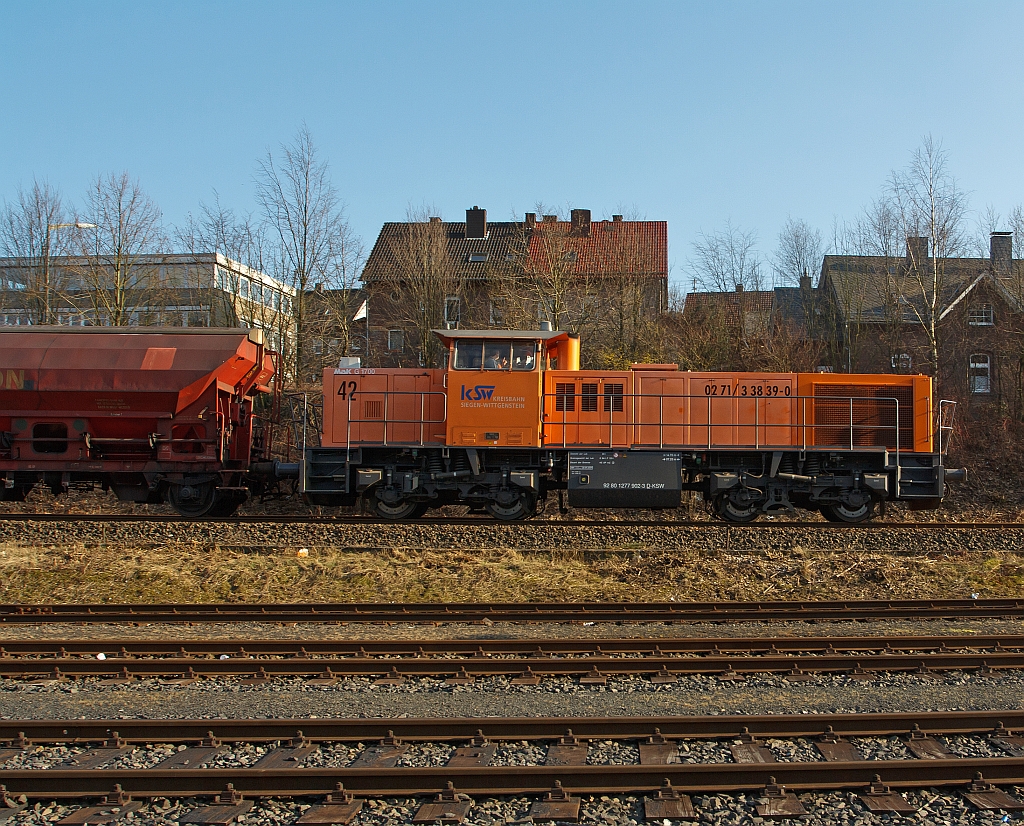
(520, 505)
(732, 512)
(193, 500)
(848, 513)
(402, 509)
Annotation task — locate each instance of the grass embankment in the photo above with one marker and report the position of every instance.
(179, 573)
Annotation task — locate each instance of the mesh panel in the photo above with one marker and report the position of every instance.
(873, 415)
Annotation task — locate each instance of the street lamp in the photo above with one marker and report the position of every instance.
(46, 262)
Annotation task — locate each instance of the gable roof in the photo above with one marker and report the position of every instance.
(638, 248)
(864, 288)
(611, 248)
(503, 249)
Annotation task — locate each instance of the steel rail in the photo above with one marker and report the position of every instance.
(575, 612)
(471, 668)
(21, 733)
(539, 646)
(533, 524)
(500, 780)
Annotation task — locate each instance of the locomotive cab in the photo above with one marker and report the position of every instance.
(495, 383)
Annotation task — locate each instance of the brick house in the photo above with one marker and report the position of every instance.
(601, 279)
(881, 310)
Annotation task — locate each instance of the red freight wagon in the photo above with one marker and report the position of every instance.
(153, 414)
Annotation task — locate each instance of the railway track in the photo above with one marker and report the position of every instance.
(573, 612)
(533, 524)
(288, 767)
(663, 660)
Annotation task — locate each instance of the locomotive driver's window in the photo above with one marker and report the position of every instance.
(467, 354)
(496, 355)
(524, 355)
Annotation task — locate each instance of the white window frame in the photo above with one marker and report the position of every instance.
(902, 362)
(496, 315)
(979, 374)
(396, 341)
(452, 311)
(981, 315)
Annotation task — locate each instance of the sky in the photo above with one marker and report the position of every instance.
(695, 113)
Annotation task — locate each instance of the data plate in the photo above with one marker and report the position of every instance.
(330, 813)
(624, 478)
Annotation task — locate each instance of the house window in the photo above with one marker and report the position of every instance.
(452, 311)
(318, 348)
(570, 256)
(901, 362)
(478, 258)
(907, 312)
(979, 373)
(396, 341)
(981, 315)
(497, 316)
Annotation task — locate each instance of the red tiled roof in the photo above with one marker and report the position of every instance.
(611, 248)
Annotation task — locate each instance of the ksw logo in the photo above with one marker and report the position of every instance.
(479, 393)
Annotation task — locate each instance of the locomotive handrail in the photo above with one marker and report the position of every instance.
(804, 424)
(384, 421)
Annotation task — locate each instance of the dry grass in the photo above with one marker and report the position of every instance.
(197, 574)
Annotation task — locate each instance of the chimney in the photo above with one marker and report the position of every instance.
(617, 219)
(531, 220)
(434, 219)
(1001, 252)
(739, 288)
(476, 223)
(917, 250)
(580, 223)
(805, 282)
(550, 219)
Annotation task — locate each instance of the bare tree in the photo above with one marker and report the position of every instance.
(929, 204)
(306, 219)
(427, 278)
(118, 282)
(798, 253)
(727, 259)
(35, 228)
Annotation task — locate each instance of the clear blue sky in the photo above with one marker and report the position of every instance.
(692, 113)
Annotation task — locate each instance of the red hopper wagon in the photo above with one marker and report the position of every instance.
(153, 414)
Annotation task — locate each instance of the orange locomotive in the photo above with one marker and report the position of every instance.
(513, 418)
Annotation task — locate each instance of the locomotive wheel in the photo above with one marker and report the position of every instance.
(403, 509)
(732, 512)
(848, 514)
(522, 507)
(193, 500)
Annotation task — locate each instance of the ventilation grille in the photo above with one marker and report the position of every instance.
(613, 398)
(588, 402)
(873, 415)
(565, 396)
(373, 409)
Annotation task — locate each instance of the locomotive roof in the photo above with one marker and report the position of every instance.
(448, 336)
(255, 335)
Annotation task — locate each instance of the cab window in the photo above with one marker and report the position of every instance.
(468, 354)
(524, 355)
(497, 355)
